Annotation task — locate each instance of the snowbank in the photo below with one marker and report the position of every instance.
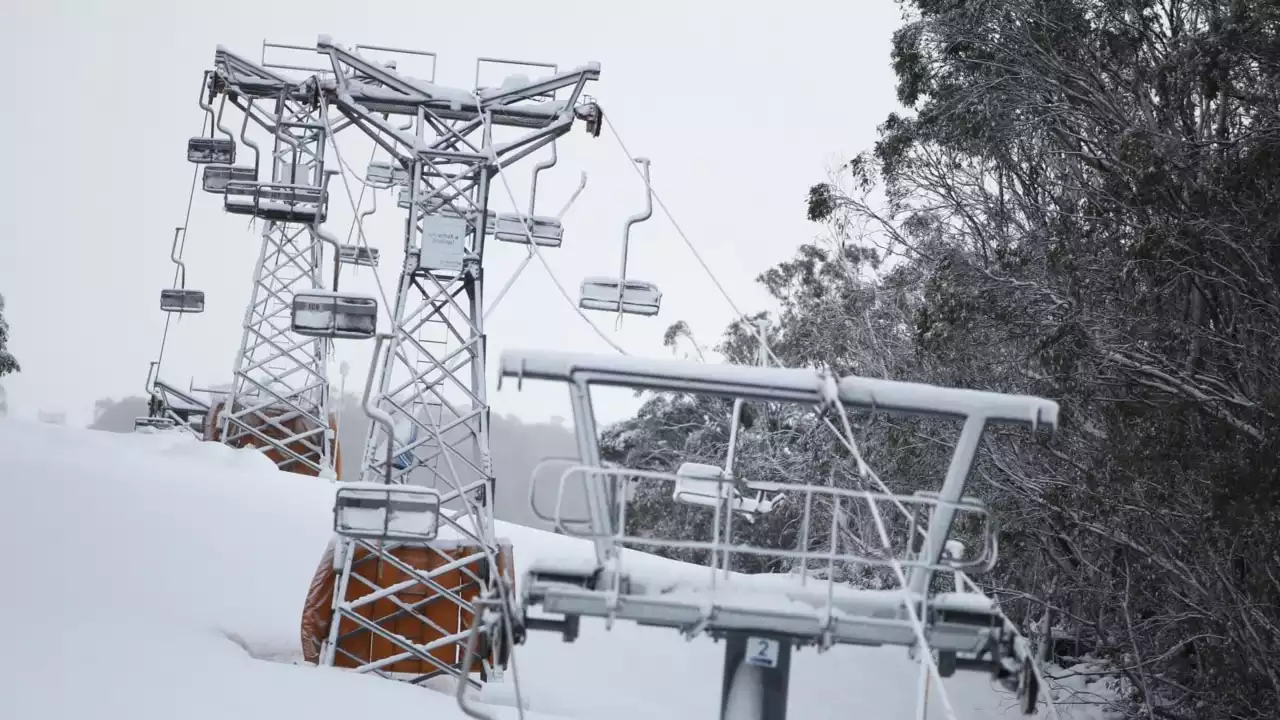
(151, 576)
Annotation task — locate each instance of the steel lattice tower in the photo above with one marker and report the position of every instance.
(279, 399)
(431, 377)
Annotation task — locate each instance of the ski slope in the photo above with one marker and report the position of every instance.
(151, 577)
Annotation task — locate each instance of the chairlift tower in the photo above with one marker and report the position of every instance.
(430, 375)
(280, 391)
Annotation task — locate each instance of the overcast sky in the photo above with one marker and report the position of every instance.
(740, 107)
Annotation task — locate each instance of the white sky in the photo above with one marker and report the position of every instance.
(740, 106)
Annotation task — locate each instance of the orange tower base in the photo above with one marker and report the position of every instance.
(290, 420)
(357, 646)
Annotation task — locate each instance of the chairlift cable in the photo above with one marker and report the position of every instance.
(962, 577)
(359, 222)
(182, 244)
(360, 198)
(917, 623)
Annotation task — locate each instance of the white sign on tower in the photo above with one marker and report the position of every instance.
(443, 243)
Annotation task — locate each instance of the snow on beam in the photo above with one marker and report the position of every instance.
(777, 384)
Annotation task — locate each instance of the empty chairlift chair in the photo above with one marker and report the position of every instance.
(633, 297)
(707, 485)
(328, 314)
(217, 177)
(276, 202)
(180, 299)
(210, 150)
(145, 424)
(394, 513)
(383, 174)
(432, 205)
(545, 230)
(512, 228)
(622, 295)
(358, 255)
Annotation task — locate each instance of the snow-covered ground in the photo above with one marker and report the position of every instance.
(153, 577)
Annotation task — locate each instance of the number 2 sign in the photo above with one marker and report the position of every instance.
(762, 652)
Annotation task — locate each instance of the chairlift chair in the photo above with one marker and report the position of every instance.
(222, 167)
(546, 230)
(358, 255)
(328, 314)
(209, 150)
(402, 201)
(217, 177)
(383, 174)
(181, 300)
(379, 174)
(512, 228)
(706, 485)
(634, 297)
(954, 551)
(433, 206)
(276, 202)
(622, 295)
(405, 513)
(152, 423)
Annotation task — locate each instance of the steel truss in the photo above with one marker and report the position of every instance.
(280, 393)
(431, 377)
(762, 622)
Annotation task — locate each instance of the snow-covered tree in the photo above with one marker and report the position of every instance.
(8, 363)
(1078, 201)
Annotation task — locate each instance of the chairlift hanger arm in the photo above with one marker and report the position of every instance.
(264, 119)
(537, 170)
(173, 255)
(776, 384)
(328, 238)
(206, 103)
(247, 111)
(151, 372)
(582, 185)
(638, 218)
(272, 122)
(222, 105)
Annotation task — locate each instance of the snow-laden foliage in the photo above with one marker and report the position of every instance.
(8, 363)
(1080, 202)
